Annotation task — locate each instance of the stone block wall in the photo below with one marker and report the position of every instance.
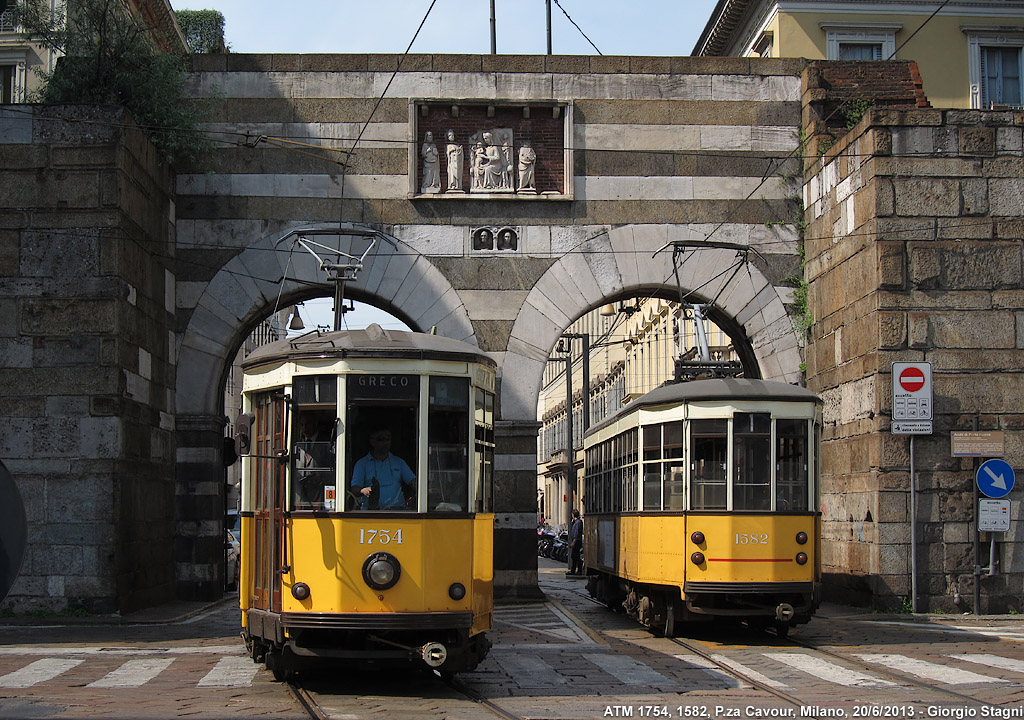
(86, 357)
(914, 253)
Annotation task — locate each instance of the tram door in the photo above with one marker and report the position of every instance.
(269, 489)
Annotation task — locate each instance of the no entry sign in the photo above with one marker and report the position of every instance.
(912, 379)
(911, 398)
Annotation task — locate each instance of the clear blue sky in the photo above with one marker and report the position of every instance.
(641, 27)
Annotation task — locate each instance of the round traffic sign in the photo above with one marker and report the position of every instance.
(995, 478)
(912, 379)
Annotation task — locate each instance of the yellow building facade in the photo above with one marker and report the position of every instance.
(969, 52)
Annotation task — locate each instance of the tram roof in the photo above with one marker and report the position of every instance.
(372, 342)
(716, 389)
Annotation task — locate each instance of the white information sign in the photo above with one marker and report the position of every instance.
(993, 515)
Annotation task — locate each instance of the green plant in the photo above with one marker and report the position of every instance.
(203, 30)
(108, 57)
(854, 110)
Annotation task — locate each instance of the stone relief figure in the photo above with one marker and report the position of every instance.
(431, 165)
(454, 153)
(527, 165)
(491, 165)
(507, 239)
(483, 239)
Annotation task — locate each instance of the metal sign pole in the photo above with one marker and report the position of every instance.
(913, 530)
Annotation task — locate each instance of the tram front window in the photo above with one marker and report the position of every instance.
(752, 452)
(792, 477)
(313, 442)
(448, 445)
(381, 439)
(709, 454)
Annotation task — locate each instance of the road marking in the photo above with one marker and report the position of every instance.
(828, 671)
(627, 670)
(928, 670)
(751, 673)
(37, 672)
(133, 673)
(995, 661)
(118, 650)
(543, 620)
(231, 672)
(711, 670)
(529, 671)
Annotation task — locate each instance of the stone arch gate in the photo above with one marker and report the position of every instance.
(620, 261)
(628, 155)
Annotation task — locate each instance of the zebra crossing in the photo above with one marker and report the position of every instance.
(231, 671)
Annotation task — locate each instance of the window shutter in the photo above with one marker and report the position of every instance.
(984, 78)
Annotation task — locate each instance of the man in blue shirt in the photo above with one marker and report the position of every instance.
(382, 479)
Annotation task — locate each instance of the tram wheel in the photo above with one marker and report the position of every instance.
(670, 617)
(283, 670)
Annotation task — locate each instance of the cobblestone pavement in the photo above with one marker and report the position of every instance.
(564, 658)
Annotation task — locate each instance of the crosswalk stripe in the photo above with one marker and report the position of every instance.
(828, 671)
(750, 672)
(627, 670)
(711, 670)
(929, 670)
(529, 671)
(37, 672)
(133, 673)
(231, 672)
(995, 661)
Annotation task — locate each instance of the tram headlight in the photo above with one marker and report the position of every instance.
(697, 537)
(300, 591)
(801, 558)
(381, 570)
(456, 591)
(697, 558)
(801, 538)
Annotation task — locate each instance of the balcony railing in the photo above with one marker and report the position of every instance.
(7, 21)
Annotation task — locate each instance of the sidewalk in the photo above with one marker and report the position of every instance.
(168, 613)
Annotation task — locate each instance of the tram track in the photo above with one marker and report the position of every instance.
(883, 672)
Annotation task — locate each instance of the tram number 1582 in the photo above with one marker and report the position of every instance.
(751, 538)
(380, 537)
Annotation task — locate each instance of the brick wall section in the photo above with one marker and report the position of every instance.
(914, 253)
(86, 377)
(834, 93)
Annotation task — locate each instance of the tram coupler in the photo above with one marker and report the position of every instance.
(784, 612)
(434, 654)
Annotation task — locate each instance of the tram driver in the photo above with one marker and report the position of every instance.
(381, 480)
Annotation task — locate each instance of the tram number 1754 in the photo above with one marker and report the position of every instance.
(751, 538)
(381, 537)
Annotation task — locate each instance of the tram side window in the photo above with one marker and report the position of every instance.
(752, 448)
(313, 442)
(484, 422)
(447, 445)
(708, 457)
(663, 480)
(792, 477)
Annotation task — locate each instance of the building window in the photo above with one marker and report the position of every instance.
(8, 73)
(7, 16)
(1000, 76)
(860, 42)
(995, 65)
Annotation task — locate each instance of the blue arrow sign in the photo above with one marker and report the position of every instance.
(995, 478)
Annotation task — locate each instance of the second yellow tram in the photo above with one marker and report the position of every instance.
(702, 503)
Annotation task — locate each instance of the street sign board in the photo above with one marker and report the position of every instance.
(911, 427)
(911, 391)
(977, 443)
(995, 478)
(993, 515)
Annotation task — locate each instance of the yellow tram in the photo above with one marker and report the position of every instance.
(701, 502)
(367, 522)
